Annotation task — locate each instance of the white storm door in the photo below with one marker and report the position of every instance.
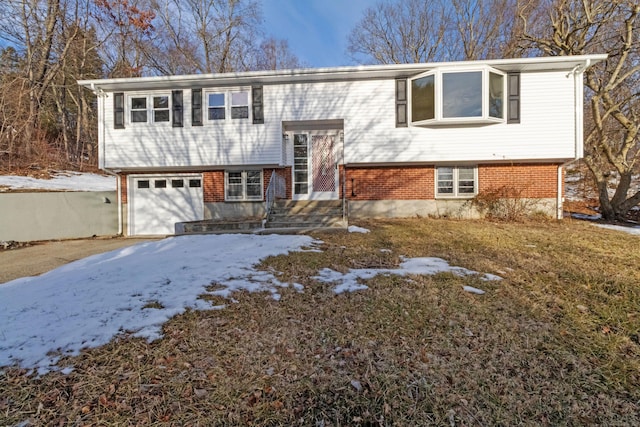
(315, 171)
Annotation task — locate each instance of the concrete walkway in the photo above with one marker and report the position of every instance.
(45, 256)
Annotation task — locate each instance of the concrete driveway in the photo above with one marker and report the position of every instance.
(45, 256)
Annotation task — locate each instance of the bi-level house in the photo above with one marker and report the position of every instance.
(386, 140)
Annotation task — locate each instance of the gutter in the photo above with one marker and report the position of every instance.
(100, 94)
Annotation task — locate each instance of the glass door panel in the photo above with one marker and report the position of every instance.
(300, 164)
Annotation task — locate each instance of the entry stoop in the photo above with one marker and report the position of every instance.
(306, 214)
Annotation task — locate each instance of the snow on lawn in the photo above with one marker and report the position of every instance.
(69, 181)
(356, 229)
(630, 230)
(137, 289)
(87, 302)
(351, 281)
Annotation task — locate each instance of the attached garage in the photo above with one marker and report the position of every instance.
(157, 202)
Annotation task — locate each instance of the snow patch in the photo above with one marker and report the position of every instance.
(61, 181)
(473, 290)
(86, 303)
(352, 280)
(630, 230)
(356, 229)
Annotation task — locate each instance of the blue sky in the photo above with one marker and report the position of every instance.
(317, 30)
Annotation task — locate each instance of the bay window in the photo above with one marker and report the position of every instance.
(443, 97)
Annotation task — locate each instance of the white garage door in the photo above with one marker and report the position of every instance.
(158, 202)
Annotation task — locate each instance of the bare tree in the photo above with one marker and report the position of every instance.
(274, 54)
(124, 26)
(483, 29)
(399, 32)
(574, 27)
(32, 26)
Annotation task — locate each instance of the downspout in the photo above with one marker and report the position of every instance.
(118, 195)
(577, 130)
(101, 149)
(345, 217)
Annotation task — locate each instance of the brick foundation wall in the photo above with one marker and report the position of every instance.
(534, 180)
(391, 183)
(418, 182)
(403, 183)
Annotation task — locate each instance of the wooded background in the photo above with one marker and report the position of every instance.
(47, 120)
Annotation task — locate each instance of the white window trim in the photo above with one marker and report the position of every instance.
(150, 117)
(456, 181)
(244, 197)
(227, 92)
(438, 95)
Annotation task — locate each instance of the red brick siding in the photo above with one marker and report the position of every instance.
(213, 186)
(403, 183)
(284, 173)
(123, 188)
(390, 183)
(535, 180)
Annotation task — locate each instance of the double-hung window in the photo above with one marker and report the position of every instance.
(456, 181)
(243, 185)
(150, 108)
(217, 106)
(139, 109)
(240, 105)
(161, 108)
(223, 105)
(442, 97)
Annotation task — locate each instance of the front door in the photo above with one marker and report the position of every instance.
(315, 167)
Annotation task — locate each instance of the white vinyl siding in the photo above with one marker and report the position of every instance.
(545, 132)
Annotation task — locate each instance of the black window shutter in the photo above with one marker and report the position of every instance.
(257, 104)
(196, 107)
(513, 90)
(176, 105)
(118, 110)
(401, 103)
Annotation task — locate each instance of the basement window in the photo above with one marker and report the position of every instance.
(243, 185)
(456, 181)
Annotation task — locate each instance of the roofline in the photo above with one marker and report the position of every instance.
(337, 73)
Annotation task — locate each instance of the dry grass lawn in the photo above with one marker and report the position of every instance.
(557, 342)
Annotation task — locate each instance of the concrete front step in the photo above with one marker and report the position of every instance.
(330, 222)
(295, 207)
(218, 226)
(306, 214)
(328, 212)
